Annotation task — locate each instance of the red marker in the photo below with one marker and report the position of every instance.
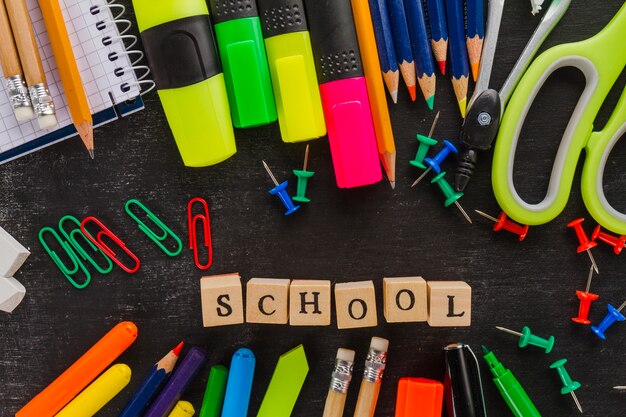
(344, 93)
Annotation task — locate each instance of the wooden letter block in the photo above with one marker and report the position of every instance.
(267, 301)
(309, 303)
(222, 300)
(406, 299)
(449, 303)
(356, 305)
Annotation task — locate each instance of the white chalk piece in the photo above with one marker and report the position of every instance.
(11, 294)
(12, 254)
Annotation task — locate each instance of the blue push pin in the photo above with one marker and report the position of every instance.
(434, 164)
(281, 191)
(612, 316)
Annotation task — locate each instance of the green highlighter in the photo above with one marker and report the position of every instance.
(511, 390)
(246, 71)
(285, 385)
(178, 40)
(214, 394)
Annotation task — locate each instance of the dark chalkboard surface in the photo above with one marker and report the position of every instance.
(341, 235)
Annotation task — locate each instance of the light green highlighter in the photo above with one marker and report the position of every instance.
(285, 385)
(601, 59)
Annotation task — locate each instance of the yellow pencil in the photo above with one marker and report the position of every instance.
(100, 392)
(183, 409)
(68, 71)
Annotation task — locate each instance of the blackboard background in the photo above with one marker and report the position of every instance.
(342, 235)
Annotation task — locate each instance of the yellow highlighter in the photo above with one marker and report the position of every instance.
(183, 409)
(99, 393)
(292, 69)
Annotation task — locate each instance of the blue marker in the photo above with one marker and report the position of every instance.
(281, 191)
(239, 385)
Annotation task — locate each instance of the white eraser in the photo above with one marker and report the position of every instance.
(11, 294)
(12, 254)
(379, 344)
(24, 113)
(48, 121)
(346, 355)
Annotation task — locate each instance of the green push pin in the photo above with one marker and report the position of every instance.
(569, 386)
(450, 195)
(527, 338)
(425, 143)
(303, 179)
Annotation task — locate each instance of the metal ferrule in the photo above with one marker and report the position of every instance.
(374, 366)
(18, 92)
(42, 100)
(341, 377)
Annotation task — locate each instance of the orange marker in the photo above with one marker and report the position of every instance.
(419, 397)
(71, 382)
(375, 87)
(68, 71)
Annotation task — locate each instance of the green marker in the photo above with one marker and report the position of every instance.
(303, 179)
(246, 71)
(214, 394)
(285, 385)
(511, 390)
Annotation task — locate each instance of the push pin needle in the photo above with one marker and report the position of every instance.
(430, 134)
(620, 387)
(306, 158)
(269, 171)
(463, 212)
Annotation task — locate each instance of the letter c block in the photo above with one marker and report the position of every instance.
(267, 301)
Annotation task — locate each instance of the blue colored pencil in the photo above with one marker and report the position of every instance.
(402, 41)
(384, 44)
(458, 51)
(421, 50)
(438, 32)
(475, 33)
(152, 384)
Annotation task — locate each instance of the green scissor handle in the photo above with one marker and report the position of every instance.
(72, 238)
(157, 237)
(76, 262)
(601, 59)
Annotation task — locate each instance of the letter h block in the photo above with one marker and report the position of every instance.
(309, 303)
(222, 300)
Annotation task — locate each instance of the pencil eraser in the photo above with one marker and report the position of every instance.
(11, 294)
(48, 121)
(379, 344)
(346, 355)
(12, 254)
(419, 397)
(24, 113)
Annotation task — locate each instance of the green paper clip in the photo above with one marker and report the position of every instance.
(72, 239)
(155, 237)
(77, 264)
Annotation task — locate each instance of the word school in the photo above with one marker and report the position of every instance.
(302, 302)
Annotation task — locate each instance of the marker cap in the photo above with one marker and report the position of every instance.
(419, 397)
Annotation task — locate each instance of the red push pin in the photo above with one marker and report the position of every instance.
(502, 222)
(618, 242)
(585, 301)
(585, 244)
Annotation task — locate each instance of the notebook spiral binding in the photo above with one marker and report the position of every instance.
(122, 27)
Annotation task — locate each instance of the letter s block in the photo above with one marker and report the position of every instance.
(356, 305)
(309, 303)
(267, 301)
(405, 299)
(449, 303)
(222, 300)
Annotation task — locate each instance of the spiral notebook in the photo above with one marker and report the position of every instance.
(107, 71)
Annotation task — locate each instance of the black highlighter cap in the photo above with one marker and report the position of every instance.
(279, 17)
(333, 37)
(181, 52)
(462, 386)
(225, 10)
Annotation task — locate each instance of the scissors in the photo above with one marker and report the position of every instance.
(601, 59)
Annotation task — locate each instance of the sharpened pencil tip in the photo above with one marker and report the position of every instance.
(412, 91)
(463, 106)
(178, 348)
(91, 154)
(394, 96)
(475, 67)
(442, 67)
(430, 101)
(393, 185)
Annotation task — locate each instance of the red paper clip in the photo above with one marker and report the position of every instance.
(97, 240)
(193, 235)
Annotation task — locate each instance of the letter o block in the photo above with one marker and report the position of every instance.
(355, 303)
(309, 303)
(267, 301)
(405, 299)
(449, 303)
(222, 300)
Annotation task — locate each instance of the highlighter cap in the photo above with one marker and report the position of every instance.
(239, 385)
(279, 17)
(419, 397)
(334, 40)
(225, 10)
(463, 389)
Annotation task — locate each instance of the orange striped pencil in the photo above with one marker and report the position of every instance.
(68, 71)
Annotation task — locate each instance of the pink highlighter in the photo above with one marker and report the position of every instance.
(343, 92)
